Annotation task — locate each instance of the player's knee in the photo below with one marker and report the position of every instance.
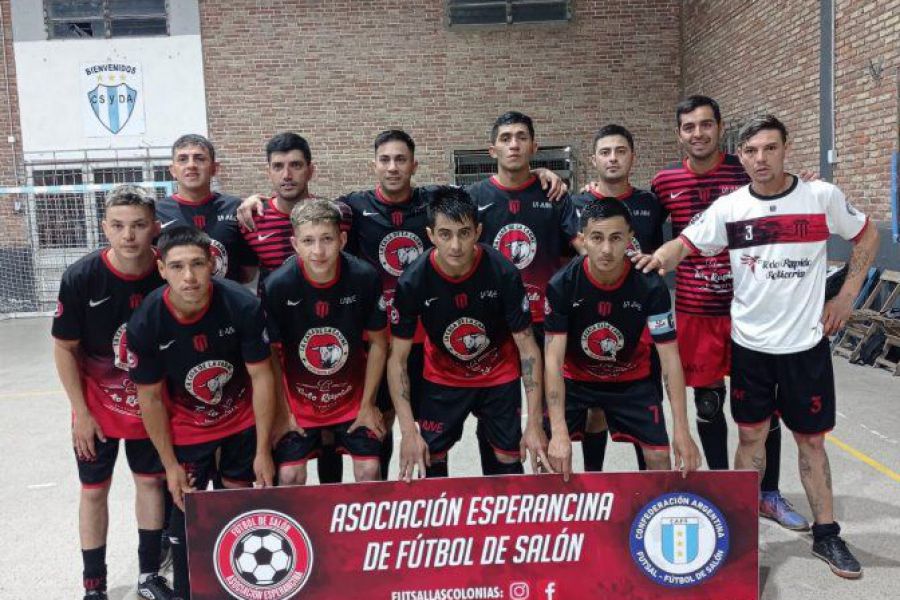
(506, 459)
(753, 435)
(145, 484)
(596, 421)
(366, 470)
(657, 460)
(95, 494)
(292, 474)
(810, 443)
(709, 403)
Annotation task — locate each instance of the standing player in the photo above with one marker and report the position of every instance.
(96, 298)
(775, 230)
(703, 293)
(318, 307)
(478, 345)
(201, 343)
(597, 356)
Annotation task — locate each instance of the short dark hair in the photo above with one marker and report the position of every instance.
(182, 235)
(194, 139)
(395, 135)
(692, 103)
(288, 142)
(760, 123)
(453, 202)
(613, 129)
(604, 208)
(130, 195)
(512, 118)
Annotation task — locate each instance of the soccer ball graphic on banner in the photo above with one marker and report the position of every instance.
(263, 557)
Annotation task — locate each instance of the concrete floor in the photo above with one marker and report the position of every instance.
(39, 556)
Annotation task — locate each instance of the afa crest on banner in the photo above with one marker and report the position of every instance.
(113, 99)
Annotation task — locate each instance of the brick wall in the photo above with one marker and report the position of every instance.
(11, 223)
(339, 72)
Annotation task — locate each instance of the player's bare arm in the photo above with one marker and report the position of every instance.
(255, 203)
(665, 259)
(559, 452)
(413, 449)
(534, 439)
(284, 418)
(553, 183)
(264, 410)
(687, 456)
(369, 416)
(156, 422)
(838, 309)
(84, 427)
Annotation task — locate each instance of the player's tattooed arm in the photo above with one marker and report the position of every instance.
(156, 421)
(687, 455)
(369, 416)
(559, 451)
(837, 310)
(84, 427)
(264, 411)
(534, 441)
(413, 450)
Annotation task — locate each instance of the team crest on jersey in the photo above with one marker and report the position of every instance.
(634, 247)
(263, 554)
(517, 243)
(59, 310)
(219, 258)
(323, 350)
(206, 382)
(122, 358)
(466, 338)
(602, 341)
(398, 250)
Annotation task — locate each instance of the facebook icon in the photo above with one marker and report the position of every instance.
(550, 590)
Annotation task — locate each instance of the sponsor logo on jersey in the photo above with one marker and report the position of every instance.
(200, 221)
(219, 257)
(466, 338)
(122, 358)
(461, 301)
(396, 218)
(517, 243)
(263, 554)
(679, 539)
(200, 342)
(604, 308)
(206, 382)
(704, 195)
(95, 303)
(602, 341)
(322, 308)
(134, 300)
(398, 250)
(323, 350)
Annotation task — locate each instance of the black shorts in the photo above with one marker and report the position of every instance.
(294, 448)
(538, 330)
(633, 409)
(237, 452)
(415, 367)
(799, 387)
(143, 460)
(444, 409)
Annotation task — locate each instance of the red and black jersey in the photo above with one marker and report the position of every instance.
(202, 360)
(319, 327)
(608, 325)
(528, 229)
(468, 320)
(217, 216)
(647, 216)
(389, 236)
(94, 305)
(703, 284)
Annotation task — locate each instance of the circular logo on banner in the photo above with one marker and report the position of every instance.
(219, 258)
(679, 539)
(602, 341)
(207, 381)
(466, 338)
(122, 358)
(398, 250)
(323, 350)
(517, 243)
(263, 554)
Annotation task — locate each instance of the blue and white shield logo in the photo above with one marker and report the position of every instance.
(113, 105)
(680, 539)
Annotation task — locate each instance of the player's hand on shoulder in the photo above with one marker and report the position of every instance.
(85, 430)
(647, 263)
(371, 418)
(591, 186)
(559, 453)
(554, 185)
(254, 203)
(807, 175)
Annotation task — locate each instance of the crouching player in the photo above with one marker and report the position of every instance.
(599, 311)
(202, 345)
(318, 307)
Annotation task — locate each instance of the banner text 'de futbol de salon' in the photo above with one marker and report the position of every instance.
(602, 535)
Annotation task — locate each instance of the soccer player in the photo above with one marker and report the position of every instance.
(201, 344)
(597, 356)
(193, 167)
(318, 307)
(97, 296)
(479, 348)
(613, 156)
(776, 230)
(703, 293)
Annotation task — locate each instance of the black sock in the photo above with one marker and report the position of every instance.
(167, 507)
(330, 465)
(437, 469)
(149, 544)
(94, 575)
(769, 482)
(639, 454)
(181, 583)
(823, 531)
(593, 446)
(713, 431)
(513, 468)
(489, 463)
(387, 451)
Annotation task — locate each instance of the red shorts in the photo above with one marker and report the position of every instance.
(704, 344)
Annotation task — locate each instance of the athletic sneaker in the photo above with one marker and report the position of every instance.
(156, 588)
(772, 505)
(95, 595)
(833, 550)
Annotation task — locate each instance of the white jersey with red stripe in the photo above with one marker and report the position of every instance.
(777, 250)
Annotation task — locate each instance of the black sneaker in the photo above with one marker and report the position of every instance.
(833, 550)
(165, 552)
(155, 588)
(96, 595)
